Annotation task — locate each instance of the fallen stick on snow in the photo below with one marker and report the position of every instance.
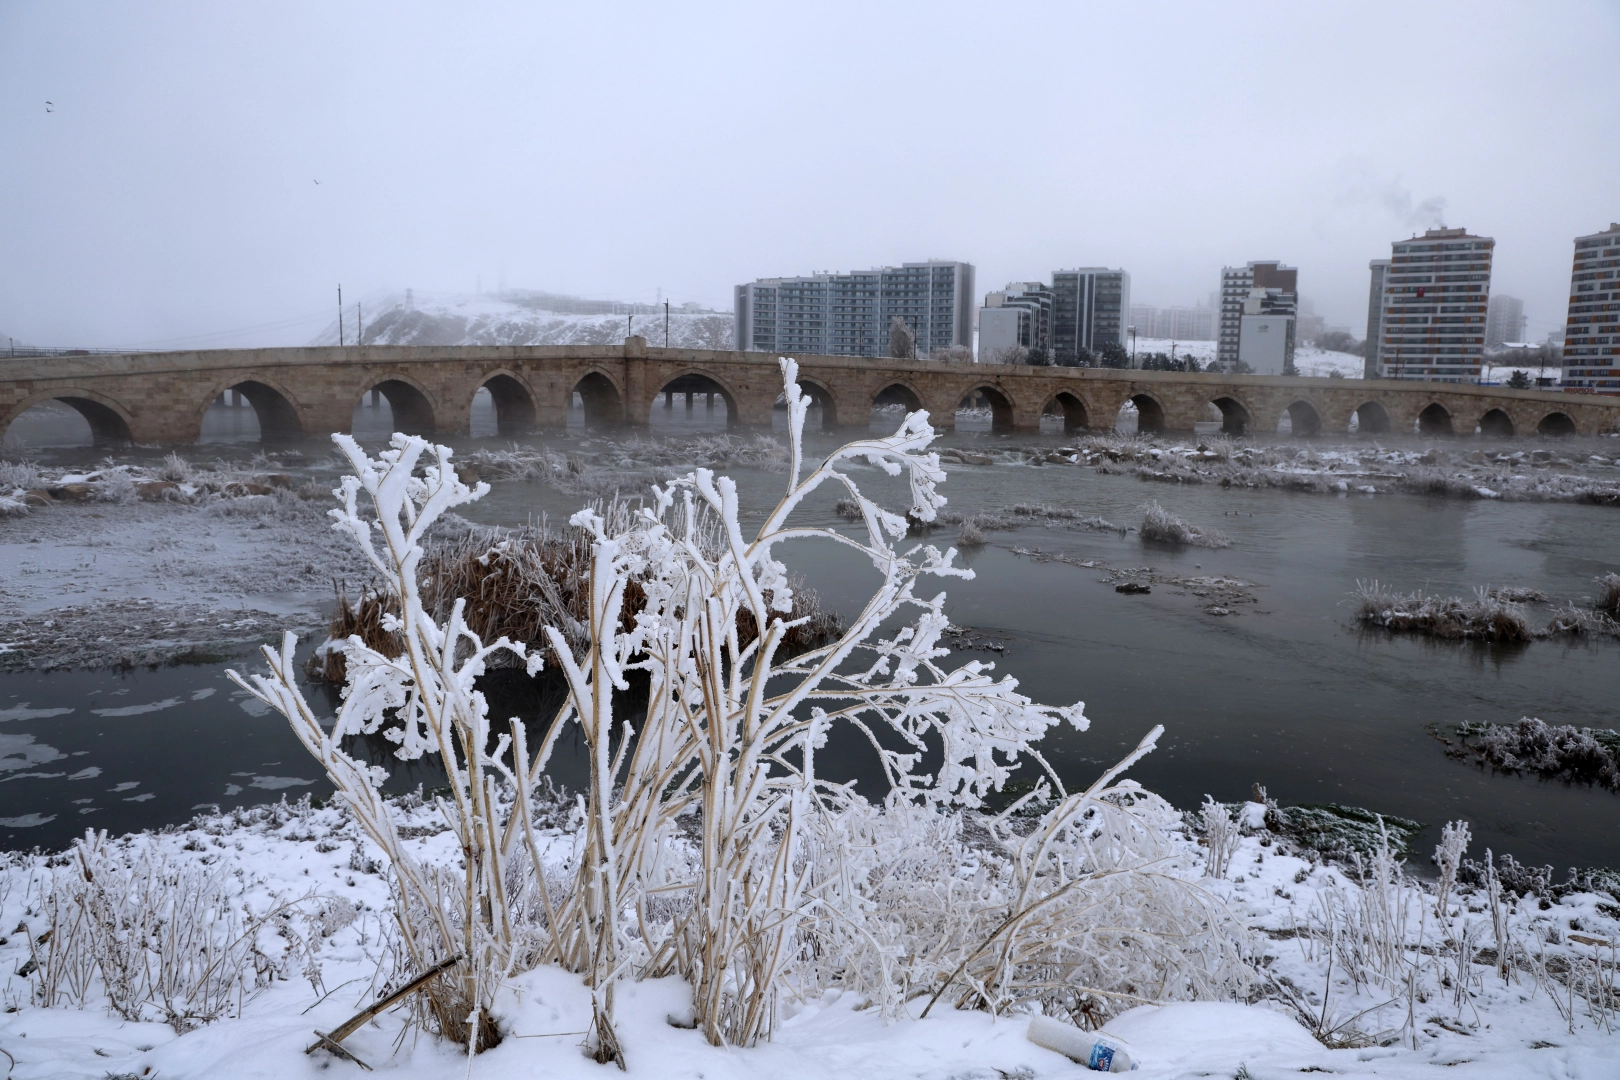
(333, 1040)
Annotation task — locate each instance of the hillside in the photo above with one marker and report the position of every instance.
(449, 319)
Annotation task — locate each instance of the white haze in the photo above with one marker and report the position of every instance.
(625, 151)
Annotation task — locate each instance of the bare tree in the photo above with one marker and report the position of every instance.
(902, 342)
(1007, 354)
(959, 354)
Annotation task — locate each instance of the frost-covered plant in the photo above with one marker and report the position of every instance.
(175, 469)
(1368, 923)
(1221, 835)
(1161, 526)
(729, 738)
(1448, 855)
(1608, 598)
(116, 485)
(20, 475)
(162, 941)
(971, 535)
(424, 699)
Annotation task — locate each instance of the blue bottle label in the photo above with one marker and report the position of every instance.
(1102, 1057)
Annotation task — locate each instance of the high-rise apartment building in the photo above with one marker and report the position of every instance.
(1432, 319)
(1375, 318)
(1266, 294)
(1090, 307)
(1174, 323)
(1592, 334)
(1014, 321)
(1504, 320)
(849, 314)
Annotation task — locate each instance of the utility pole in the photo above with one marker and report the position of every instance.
(666, 324)
(629, 320)
(340, 314)
(1132, 331)
(359, 324)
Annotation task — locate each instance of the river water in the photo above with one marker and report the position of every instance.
(1286, 691)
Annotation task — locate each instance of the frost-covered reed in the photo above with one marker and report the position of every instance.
(1555, 752)
(1486, 616)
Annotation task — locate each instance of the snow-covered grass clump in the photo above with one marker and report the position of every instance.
(1161, 526)
(1492, 615)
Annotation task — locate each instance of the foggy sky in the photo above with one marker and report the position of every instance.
(614, 150)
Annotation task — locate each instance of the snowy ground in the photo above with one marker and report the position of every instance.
(451, 319)
(1455, 1018)
(1311, 361)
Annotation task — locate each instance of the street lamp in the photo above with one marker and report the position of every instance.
(1132, 331)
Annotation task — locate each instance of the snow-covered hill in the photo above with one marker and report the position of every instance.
(448, 319)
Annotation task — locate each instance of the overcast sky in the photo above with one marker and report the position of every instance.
(169, 191)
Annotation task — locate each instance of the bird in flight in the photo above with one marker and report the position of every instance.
(50, 106)
(317, 181)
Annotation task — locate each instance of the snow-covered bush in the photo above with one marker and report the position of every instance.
(709, 840)
(1161, 526)
(20, 475)
(1486, 616)
(1608, 599)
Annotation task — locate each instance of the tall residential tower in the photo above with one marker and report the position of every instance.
(1089, 310)
(1432, 319)
(1592, 335)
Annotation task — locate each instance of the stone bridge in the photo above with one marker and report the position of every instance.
(154, 398)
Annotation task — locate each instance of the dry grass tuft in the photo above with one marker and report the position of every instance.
(1161, 526)
(1485, 617)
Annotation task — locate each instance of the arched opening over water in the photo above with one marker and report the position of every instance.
(1556, 424)
(1148, 415)
(502, 406)
(1235, 418)
(595, 402)
(250, 411)
(1370, 418)
(393, 405)
(1435, 420)
(984, 403)
(68, 420)
(1300, 420)
(1068, 409)
(890, 404)
(693, 402)
(823, 412)
(1496, 424)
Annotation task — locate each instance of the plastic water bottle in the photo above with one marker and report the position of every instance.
(1094, 1050)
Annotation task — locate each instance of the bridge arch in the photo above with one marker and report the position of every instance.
(1496, 424)
(1236, 417)
(1149, 413)
(698, 381)
(108, 419)
(272, 404)
(513, 398)
(408, 400)
(822, 397)
(1001, 405)
(1371, 418)
(1070, 406)
(602, 398)
(1556, 423)
(1304, 420)
(1435, 419)
(898, 392)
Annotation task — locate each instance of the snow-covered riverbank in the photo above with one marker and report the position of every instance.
(1444, 1003)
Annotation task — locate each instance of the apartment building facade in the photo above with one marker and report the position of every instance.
(849, 314)
(1015, 320)
(1259, 289)
(1435, 301)
(1504, 320)
(1592, 334)
(1375, 317)
(1090, 309)
(1174, 323)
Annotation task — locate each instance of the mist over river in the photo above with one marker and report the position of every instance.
(1283, 690)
